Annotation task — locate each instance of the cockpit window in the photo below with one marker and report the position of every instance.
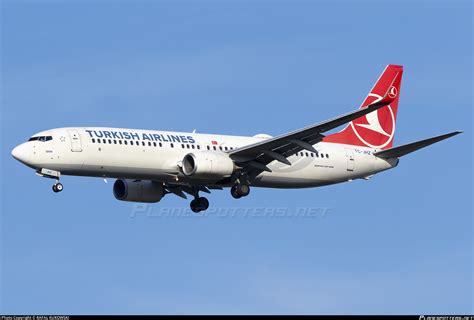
(41, 138)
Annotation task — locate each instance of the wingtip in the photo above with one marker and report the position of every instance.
(452, 134)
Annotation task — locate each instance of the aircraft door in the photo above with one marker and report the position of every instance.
(350, 159)
(76, 145)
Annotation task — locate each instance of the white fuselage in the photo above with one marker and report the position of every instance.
(157, 155)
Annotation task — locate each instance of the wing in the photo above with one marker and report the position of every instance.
(254, 158)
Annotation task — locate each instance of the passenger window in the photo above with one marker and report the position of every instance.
(215, 148)
(307, 154)
(137, 143)
(192, 146)
(161, 144)
(225, 148)
(143, 143)
(154, 144)
(220, 148)
(208, 148)
(172, 145)
(120, 141)
(125, 142)
(327, 155)
(93, 140)
(149, 143)
(199, 148)
(115, 141)
(187, 146)
(104, 141)
(110, 141)
(182, 145)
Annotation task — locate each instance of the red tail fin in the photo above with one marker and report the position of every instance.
(376, 129)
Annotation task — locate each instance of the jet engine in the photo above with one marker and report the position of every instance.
(207, 165)
(138, 190)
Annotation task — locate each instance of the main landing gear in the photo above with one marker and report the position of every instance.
(240, 190)
(199, 204)
(58, 187)
(237, 191)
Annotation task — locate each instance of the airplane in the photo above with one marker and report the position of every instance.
(149, 164)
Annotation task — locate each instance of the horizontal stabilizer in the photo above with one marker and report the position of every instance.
(402, 150)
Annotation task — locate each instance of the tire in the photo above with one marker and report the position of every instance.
(54, 189)
(59, 187)
(233, 192)
(203, 203)
(194, 206)
(243, 190)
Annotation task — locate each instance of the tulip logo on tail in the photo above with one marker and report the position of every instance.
(370, 129)
(393, 92)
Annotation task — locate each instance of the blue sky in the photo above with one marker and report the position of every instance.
(399, 243)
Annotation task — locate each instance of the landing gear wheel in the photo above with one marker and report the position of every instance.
(240, 190)
(233, 192)
(203, 203)
(193, 206)
(58, 187)
(243, 189)
(199, 204)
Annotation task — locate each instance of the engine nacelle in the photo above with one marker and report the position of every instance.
(207, 164)
(138, 190)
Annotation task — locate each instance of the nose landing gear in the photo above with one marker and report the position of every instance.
(51, 174)
(58, 187)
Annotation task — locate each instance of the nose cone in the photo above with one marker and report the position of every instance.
(21, 153)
